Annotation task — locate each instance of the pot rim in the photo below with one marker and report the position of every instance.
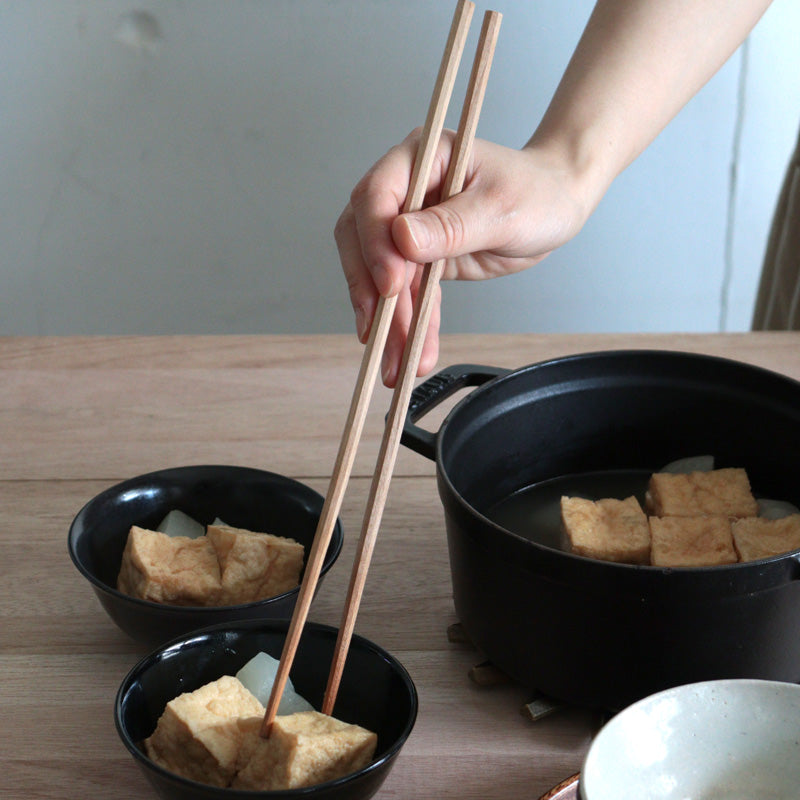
(597, 355)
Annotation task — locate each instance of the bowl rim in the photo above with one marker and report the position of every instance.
(255, 625)
(337, 539)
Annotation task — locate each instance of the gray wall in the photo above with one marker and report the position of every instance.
(189, 181)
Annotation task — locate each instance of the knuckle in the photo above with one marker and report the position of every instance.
(453, 228)
(361, 191)
(357, 290)
(414, 135)
(343, 225)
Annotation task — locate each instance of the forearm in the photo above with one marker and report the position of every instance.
(636, 65)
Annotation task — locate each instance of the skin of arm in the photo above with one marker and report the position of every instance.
(636, 65)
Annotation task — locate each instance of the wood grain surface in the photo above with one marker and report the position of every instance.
(78, 414)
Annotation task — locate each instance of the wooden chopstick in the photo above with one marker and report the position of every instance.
(365, 382)
(426, 297)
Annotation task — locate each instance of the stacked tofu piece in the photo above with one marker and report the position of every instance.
(212, 735)
(689, 520)
(226, 566)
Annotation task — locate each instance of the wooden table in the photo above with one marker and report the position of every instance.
(78, 414)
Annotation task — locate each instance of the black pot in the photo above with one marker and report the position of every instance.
(598, 633)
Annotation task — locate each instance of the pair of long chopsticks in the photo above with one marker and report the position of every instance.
(371, 360)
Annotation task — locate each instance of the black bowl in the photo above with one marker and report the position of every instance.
(376, 692)
(243, 497)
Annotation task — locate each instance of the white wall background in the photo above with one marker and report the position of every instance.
(192, 186)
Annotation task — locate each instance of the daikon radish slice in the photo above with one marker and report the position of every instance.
(776, 509)
(176, 523)
(258, 675)
(690, 464)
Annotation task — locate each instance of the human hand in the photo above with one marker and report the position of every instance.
(516, 207)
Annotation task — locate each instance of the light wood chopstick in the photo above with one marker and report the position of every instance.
(426, 298)
(365, 382)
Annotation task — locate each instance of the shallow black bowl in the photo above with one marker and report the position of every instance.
(376, 692)
(243, 497)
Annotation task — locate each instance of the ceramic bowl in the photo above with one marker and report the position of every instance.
(716, 740)
(376, 692)
(243, 497)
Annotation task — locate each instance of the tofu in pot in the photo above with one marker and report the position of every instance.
(607, 529)
(756, 538)
(720, 492)
(691, 541)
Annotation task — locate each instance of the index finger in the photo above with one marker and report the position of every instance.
(377, 199)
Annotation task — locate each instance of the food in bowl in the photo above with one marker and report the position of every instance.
(244, 497)
(178, 523)
(690, 519)
(258, 675)
(225, 566)
(254, 565)
(304, 749)
(213, 735)
(376, 693)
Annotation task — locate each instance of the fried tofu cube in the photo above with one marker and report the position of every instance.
(199, 735)
(691, 541)
(718, 492)
(607, 529)
(303, 749)
(169, 569)
(756, 538)
(253, 565)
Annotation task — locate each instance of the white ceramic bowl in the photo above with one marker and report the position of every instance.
(716, 740)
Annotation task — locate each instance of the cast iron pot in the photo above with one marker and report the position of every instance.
(598, 633)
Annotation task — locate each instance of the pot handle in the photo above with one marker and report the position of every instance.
(433, 391)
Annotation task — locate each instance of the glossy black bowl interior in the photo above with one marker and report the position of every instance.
(376, 692)
(241, 496)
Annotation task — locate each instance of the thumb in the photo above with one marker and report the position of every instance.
(447, 230)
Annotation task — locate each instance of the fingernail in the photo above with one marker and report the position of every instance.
(418, 232)
(361, 324)
(386, 368)
(382, 280)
